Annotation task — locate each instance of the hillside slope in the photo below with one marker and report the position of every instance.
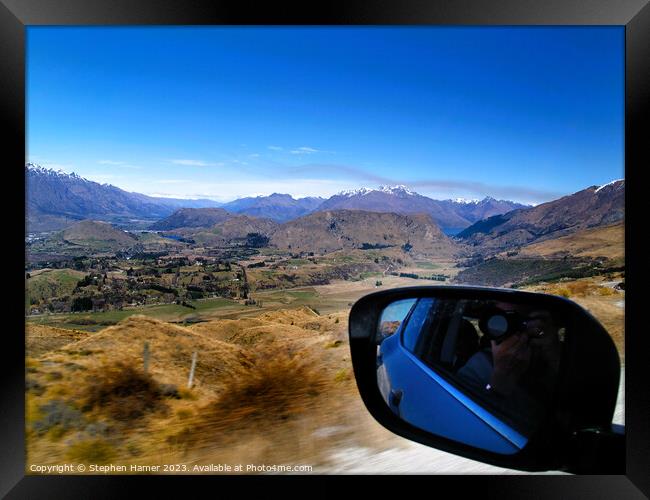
(591, 207)
(234, 230)
(98, 235)
(606, 241)
(191, 217)
(328, 231)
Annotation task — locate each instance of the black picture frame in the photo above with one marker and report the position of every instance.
(15, 15)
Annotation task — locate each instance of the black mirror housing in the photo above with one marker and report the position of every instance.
(584, 400)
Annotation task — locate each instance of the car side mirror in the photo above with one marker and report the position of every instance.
(520, 380)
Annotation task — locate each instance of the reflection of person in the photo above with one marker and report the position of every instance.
(521, 370)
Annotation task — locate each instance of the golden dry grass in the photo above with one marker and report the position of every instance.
(40, 339)
(260, 393)
(608, 241)
(170, 348)
(275, 389)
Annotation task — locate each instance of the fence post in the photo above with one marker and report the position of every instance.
(145, 356)
(191, 380)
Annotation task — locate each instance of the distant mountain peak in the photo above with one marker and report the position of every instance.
(56, 199)
(588, 208)
(396, 190)
(466, 201)
(613, 183)
(41, 170)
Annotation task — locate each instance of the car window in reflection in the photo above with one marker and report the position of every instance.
(504, 356)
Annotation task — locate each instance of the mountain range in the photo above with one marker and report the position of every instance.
(448, 214)
(577, 216)
(595, 206)
(279, 207)
(56, 199)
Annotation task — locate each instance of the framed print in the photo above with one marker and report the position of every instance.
(340, 239)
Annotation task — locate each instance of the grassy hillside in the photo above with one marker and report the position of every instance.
(48, 283)
(41, 339)
(98, 236)
(94, 321)
(589, 208)
(262, 387)
(329, 231)
(608, 242)
(518, 271)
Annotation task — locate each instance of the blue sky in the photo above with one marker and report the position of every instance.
(527, 114)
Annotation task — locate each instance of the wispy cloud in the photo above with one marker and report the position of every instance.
(228, 190)
(195, 163)
(275, 148)
(305, 150)
(111, 162)
(254, 155)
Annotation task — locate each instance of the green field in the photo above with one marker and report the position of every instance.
(51, 283)
(427, 265)
(300, 296)
(168, 312)
(297, 262)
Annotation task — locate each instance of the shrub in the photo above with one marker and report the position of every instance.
(122, 392)
(82, 304)
(276, 386)
(57, 414)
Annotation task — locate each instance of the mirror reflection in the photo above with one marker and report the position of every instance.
(480, 372)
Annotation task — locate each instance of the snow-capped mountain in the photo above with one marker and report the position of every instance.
(615, 184)
(592, 207)
(398, 190)
(56, 199)
(475, 210)
(448, 214)
(464, 201)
